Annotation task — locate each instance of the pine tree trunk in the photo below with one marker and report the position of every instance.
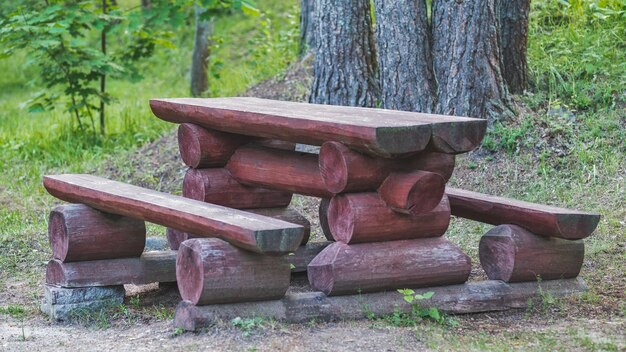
(513, 18)
(345, 56)
(467, 60)
(200, 55)
(307, 26)
(404, 55)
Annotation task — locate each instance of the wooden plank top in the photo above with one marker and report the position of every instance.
(540, 219)
(379, 132)
(253, 232)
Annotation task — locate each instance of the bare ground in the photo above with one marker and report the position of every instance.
(594, 321)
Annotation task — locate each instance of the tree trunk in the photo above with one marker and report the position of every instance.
(307, 26)
(201, 52)
(146, 4)
(404, 55)
(513, 18)
(467, 60)
(345, 56)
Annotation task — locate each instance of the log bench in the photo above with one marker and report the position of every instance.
(384, 210)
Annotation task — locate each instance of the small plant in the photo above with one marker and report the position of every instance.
(135, 302)
(418, 311)
(247, 325)
(178, 332)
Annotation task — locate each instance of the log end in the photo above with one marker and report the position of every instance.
(497, 253)
(190, 271)
(457, 138)
(341, 218)
(577, 226)
(55, 275)
(189, 144)
(320, 269)
(414, 193)
(334, 166)
(57, 233)
(279, 242)
(323, 218)
(194, 185)
(401, 141)
(175, 238)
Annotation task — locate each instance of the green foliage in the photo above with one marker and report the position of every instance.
(247, 325)
(14, 311)
(417, 310)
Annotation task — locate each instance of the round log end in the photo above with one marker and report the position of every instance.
(334, 166)
(175, 238)
(497, 253)
(323, 218)
(54, 272)
(189, 144)
(57, 234)
(341, 218)
(190, 271)
(426, 193)
(194, 186)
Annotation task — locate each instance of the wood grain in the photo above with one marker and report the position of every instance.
(249, 231)
(539, 219)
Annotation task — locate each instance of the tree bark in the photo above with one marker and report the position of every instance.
(467, 60)
(200, 55)
(307, 26)
(513, 18)
(404, 55)
(345, 56)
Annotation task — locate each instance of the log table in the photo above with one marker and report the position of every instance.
(385, 207)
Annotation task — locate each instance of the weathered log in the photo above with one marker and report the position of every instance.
(303, 307)
(301, 258)
(202, 148)
(175, 237)
(155, 266)
(513, 254)
(278, 169)
(539, 219)
(342, 269)
(249, 231)
(344, 170)
(414, 193)
(217, 186)
(364, 217)
(78, 232)
(210, 271)
(385, 133)
(323, 217)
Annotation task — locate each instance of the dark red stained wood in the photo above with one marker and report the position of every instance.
(376, 131)
(304, 307)
(217, 186)
(175, 237)
(364, 217)
(154, 266)
(210, 271)
(202, 148)
(323, 217)
(78, 232)
(249, 231)
(344, 170)
(539, 219)
(416, 192)
(513, 254)
(291, 171)
(369, 267)
(300, 259)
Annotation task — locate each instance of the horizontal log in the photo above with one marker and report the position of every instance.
(211, 271)
(415, 193)
(202, 148)
(78, 232)
(345, 170)
(175, 237)
(513, 254)
(323, 217)
(217, 186)
(155, 266)
(278, 169)
(304, 307)
(364, 217)
(386, 133)
(300, 259)
(249, 231)
(342, 269)
(539, 219)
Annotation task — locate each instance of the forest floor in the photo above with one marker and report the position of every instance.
(593, 321)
